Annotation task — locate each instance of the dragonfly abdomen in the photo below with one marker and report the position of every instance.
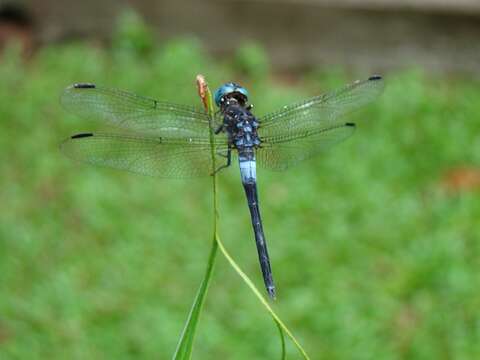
(263, 257)
(248, 172)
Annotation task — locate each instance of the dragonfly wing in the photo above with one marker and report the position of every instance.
(153, 156)
(279, 154)
(130, 111)
(302, 130)
(321, 112)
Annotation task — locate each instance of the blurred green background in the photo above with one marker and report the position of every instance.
(374, 245)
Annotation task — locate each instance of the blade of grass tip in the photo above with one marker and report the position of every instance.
(185, 344)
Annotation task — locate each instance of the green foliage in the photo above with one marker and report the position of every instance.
(372, 255)
(132, 35)
(251, 60)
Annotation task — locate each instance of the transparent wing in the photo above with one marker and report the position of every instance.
(160, 157)
(321, 112)
(280, 154)
(130, 111)
(302, 130)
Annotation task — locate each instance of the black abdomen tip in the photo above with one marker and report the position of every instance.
(79, 136)
(375, 77)
(84, 86)
(350, 124)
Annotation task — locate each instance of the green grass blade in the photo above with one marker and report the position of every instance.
(282, 341)
(185, 344)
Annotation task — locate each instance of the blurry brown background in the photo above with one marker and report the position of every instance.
(438, 35)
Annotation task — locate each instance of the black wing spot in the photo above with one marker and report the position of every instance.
(79, 136)
(350, 124)
(84, 86)
(375, 77)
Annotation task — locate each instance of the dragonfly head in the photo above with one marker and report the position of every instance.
(231, 90)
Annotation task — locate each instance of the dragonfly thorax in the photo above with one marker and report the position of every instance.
(241, 126)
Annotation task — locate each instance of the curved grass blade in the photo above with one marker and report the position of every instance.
(282, 341)
(185, 344)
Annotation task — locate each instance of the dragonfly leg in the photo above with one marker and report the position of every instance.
(228, 155)
(219, 129)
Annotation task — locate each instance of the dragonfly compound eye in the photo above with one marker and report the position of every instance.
(230, 89)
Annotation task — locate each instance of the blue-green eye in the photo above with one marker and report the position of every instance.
(227, 89)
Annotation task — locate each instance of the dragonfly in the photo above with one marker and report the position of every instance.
(168, 140)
